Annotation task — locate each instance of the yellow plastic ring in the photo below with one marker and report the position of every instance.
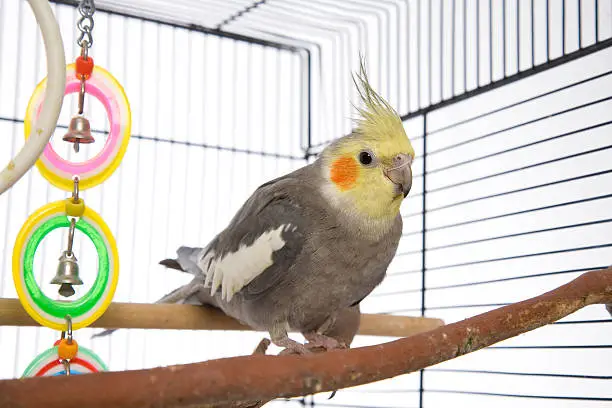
(93, 304)
(104, 87)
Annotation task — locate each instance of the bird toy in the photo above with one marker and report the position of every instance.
(66, 357)
(91, 306)
(84, 77)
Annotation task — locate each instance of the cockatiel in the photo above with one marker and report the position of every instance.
(310, 245)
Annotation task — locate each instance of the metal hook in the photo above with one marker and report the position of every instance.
(71, 236)
(84, 50)
(75, 199)
(66, 364)
(68, 329)
(75, 189)
(82, 96)
(69, 324)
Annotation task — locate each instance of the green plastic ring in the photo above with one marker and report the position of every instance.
(78, 307)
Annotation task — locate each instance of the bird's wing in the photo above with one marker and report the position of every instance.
(259, 245)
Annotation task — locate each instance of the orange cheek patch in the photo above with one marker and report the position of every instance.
(344, 172)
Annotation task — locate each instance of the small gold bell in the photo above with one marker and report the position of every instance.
(79, 132)
(67, 274)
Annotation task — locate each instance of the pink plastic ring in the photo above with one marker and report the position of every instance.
(96, 170)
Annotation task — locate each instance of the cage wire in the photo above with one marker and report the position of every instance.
(507, 103)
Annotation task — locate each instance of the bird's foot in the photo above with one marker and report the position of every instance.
(290, 346)
(319, 340)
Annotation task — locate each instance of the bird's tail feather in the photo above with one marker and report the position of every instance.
(186, 260)
(172, 264)
(186, 294)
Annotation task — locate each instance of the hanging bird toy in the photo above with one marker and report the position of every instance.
(66, 357)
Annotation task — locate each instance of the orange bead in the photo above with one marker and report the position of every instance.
(67, 351)
(84, 67)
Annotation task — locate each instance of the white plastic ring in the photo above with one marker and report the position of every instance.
(54, 96)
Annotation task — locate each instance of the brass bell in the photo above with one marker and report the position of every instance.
(79, 132)
(67, 274)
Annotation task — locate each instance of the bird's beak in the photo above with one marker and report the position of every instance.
(400, 173)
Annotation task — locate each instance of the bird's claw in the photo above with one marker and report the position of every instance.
(316, 340)
(295, 349)
(262, 347)
(291, 346)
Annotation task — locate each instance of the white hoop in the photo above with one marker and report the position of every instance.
(54, 96)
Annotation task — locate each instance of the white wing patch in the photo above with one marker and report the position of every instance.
(236, 269)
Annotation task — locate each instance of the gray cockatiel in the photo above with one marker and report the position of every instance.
(307, 247)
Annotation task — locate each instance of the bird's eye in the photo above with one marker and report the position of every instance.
(366, 158)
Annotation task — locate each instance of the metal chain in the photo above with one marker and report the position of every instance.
(85, 24)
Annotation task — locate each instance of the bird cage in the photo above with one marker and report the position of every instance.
(508, 105)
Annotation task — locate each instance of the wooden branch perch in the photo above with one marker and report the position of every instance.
(188, 317)
(258, 377)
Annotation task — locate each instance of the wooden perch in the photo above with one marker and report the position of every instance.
(187, 317)
(259, 377)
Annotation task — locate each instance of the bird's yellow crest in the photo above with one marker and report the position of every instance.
(378, 121)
